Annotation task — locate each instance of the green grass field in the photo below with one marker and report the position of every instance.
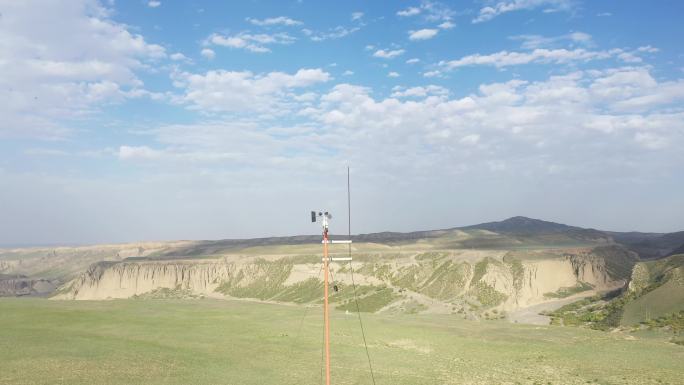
(240, 342)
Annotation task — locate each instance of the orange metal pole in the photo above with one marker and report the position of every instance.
(326, 316)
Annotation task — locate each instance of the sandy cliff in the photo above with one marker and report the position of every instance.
(127, 279)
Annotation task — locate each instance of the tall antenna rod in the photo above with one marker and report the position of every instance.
(351, 271)
(348, 211)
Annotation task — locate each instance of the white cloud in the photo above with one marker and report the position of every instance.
(68, 59)
(540, 55)
(412, 61)
(538, 41)
(447, 25)
(280, 20)
(388, 54)
(356, 16)
(431, 11)
(393, 74)
(489, 12)
(648, 49)
(348, 73)
(436, 11)
(471, 139)
(636, 90)
(432, 74)
(420, 92)
(208, 53)
(423, 34)
(516, 125)
(506, 122)
(138, 152)
(331, 34)
(178, 57)
(233, 143)
(580, 37)
(244, 91)
(153, 4)
(410, 11)
(46, 152)
(629, 57)
(252, 42)
(650, 140)
(306, 97)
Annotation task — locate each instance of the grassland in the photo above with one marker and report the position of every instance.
(240, 342)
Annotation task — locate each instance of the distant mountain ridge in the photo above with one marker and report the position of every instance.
(651, 245)
(523, 225)
(647, 245)
(529, 226)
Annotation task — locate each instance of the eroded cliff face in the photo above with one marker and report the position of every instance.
(492, 280)
(536, 281)
(127, 279)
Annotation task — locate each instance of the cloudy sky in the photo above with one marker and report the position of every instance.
(149, 120)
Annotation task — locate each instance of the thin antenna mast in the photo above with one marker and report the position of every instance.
(348, 211)
(351, 270)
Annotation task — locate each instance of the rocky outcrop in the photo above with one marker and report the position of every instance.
(640, 278)
(15, 286)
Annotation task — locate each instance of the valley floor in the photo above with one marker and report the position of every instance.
(532, 314)
(239, 342)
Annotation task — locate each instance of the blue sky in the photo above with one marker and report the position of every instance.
(139, 120)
